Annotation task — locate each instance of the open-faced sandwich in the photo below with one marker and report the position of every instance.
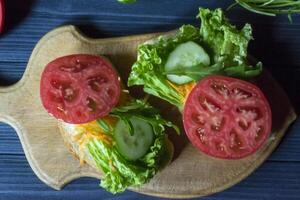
(223, 117)
(101, 124)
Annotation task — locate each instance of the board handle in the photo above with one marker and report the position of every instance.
(8, 103)
(4, 101)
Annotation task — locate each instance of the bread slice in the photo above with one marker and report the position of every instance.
(68, 132)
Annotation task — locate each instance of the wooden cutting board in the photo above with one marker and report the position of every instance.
(190, 174)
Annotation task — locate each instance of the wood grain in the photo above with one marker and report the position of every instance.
(190, 174)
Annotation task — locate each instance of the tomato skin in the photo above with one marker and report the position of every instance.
(79, 88)
(2, 15)
(226, 117)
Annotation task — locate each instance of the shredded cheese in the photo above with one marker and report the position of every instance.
(89, 131)
(184, 89)
(92, 130)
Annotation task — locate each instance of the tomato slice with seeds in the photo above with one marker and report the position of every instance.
(227, 117)
(79, 88)
(2, 14)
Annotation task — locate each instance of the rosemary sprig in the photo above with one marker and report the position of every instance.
(270, 7)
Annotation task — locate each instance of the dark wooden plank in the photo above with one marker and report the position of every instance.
(11, 72)
(110, 19)
(9, 141)
(271, 181)
(288, 77)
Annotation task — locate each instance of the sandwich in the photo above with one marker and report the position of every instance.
(199, 70)
(101, 124)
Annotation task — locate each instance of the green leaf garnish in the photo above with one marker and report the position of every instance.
(104, 125)
(126, 120)
(197, 72)
(143, 111)
(244, 71)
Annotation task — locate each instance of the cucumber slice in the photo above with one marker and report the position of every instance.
(133, 147)
(185, 55)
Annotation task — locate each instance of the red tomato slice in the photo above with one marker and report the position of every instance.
(226, 117)
(2, 13)
(79, 88)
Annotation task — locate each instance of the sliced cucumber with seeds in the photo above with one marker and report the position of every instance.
(185, 55)
(134, 146)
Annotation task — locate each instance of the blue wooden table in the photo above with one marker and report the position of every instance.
(277, 44)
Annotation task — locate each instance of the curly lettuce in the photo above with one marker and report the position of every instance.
(225, 44)
(120, 173)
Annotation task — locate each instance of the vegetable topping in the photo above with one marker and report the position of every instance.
(133, 146)
(226, 117)
(186, 55)
(79, 88)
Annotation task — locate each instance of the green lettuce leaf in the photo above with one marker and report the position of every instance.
(120, 173)
(149, 68)
(197, 72)
(225, 44)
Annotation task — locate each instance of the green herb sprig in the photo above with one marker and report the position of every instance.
(264, 7)
(270, 7)
(140, 109)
